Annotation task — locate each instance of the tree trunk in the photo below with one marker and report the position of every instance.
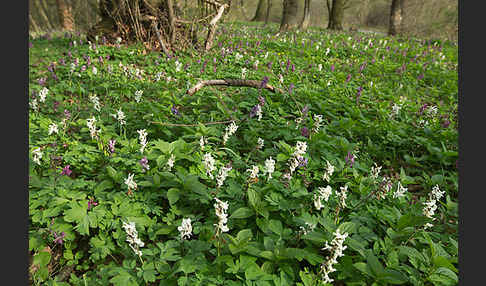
(306, 20)
(267, 15)
(289, 15)
(395, 17)
(33, 24)
(65, 15)
(337, 14)
(42, 13)
(260, 11)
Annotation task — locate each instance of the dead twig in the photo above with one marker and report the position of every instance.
(212, 27)
(232, 82)
(162, 45)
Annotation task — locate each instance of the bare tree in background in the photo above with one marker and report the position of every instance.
(65, 15)
(260, 11)
(306, 20)
(396, 16)
(336, 13)
(267, 15)
(289, 15)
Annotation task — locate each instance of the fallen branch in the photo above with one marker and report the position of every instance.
(212, 27)
(232, 82)
(162, 45)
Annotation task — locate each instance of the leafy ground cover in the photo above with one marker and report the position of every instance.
(347, 177)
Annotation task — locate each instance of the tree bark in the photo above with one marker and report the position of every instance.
(42, 13)
(289, 15)
(337, 15)
(395, 17)
(267, 15)
(65, 15)
(260, 11)
(306, 20)
(33, 24)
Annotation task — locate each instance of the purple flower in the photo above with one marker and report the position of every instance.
(91, 203)
(111, 146)
(42, 81)
(174, 110)
(358, 94)
(56, 104)
(350, 159)
(303, 161)
(291, 87)
(254, 110)
(83, 68)
(144, 163)
(67, 113)
(261, 100)
(304, 131)
(362, 67)
(421, 76)
(66, 171)
(59, 239)
(264, 82)
(332, 67)
(30, 45)
(269, 65)
(348, 78)
(445, 123)
(305, 110)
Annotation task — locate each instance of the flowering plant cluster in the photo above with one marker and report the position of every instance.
(244, 185)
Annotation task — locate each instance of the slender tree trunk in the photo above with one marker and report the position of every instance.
(306, 20)
(260, 11)
(33, 24)
(337, 15)
(395, 17)
(65, 15)
(289, 15)
(37, 4)
(267, 15)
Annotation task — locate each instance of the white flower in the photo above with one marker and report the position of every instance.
(171, 161)
(400, 192)
(138, 95)
(223, 173)
(142, 136)
(118, 40)
(33, 104)
(132, 237)
(92, 127)
(269, 167)
(336, 248)
(178, 66)
(259, 112)
(395, 109)
(342, 195)
(327, 51)
(53, 129)
(130, 182)
(202, 142)
(243, 72)
(437, 193)
(42, 94)
(300, 149)
(318, 202)
(238, 56)
(120, 116)
(308, 228)
(325, 192)
(294, 163)
(253, 172)
(37, 155)
(317, 123)
(329, 171)
(95, 70)
(209, 164)
(375, 171)
(255, 65)
(220, 209)
(319, 67)
(280, 78)
(230, 130)
(96, 101)
(185, 228)
(260, 143)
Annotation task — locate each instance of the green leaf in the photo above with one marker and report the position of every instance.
(173, 195)
(42, 258)
(275, 226)
(410, 220)
(392, 276)
(443, 276)
(374, 264)
(243, 212)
